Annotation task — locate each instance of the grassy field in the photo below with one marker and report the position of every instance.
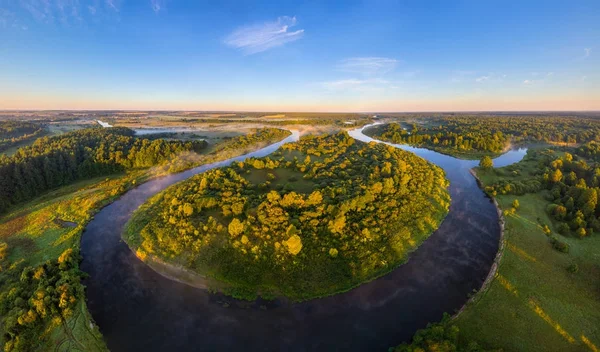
(535, 303)
(42, 229)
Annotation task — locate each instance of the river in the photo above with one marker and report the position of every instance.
(138, 309)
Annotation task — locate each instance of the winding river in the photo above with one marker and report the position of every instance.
(140, 310)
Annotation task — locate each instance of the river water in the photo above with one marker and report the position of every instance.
(140, 310)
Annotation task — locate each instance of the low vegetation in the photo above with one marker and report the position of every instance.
(321, 216)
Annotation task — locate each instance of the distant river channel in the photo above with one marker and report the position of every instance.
(139, 310)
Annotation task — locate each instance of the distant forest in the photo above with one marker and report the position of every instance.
(474, 136)
(12, 133)
(51, 162)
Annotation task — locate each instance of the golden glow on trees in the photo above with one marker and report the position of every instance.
(319, 216)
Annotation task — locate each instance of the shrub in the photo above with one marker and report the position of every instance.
(559, 245)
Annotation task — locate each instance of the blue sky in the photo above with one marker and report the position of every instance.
(300, 56)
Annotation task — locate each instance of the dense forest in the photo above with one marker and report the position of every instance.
(320, 216)
(12, 133)
(55, 161)
(475, 136)
(571, 184)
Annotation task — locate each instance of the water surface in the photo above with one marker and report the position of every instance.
(139, 310)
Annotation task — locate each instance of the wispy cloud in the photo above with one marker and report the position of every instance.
(368, 66)
(112, 5)
(587, 52)
(583, 78)
(7, 18)
(257, 38)
(490, 77)
(66, 12)
(157, 5)
(528, 82)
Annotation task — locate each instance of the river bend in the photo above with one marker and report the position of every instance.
(139, 310)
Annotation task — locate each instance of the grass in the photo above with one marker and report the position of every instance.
(281, 178)
(535, 303)
(35, 233)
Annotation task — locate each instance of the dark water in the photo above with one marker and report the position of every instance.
(139, 310)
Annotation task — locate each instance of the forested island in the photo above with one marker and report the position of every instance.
(318, 217)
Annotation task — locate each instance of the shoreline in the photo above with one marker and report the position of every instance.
(497, 259)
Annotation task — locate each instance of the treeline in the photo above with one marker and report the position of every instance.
(448, 136)
(56, 161)
(320, 216)
(573, 187)
(258, 137)
(466, 134)
(13, 133)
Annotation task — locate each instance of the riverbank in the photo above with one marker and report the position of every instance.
(497, 259)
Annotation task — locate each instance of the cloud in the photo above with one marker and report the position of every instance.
(368, 66)
(528, 82)
(157, 5)
(482, 79)
(66, 12)
(257, 38)
(583, 78)
(587, 52)
(549, 74)
(7, 18)
(111, 4)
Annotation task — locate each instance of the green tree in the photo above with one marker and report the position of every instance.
(486, 162)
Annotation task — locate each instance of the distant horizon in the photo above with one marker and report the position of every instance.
(299, 111)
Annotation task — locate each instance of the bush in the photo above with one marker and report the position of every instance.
(559, 245)
(573, 268)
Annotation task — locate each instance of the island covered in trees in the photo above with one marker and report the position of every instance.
(318, 217)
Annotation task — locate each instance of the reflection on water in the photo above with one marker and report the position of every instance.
(137, 309)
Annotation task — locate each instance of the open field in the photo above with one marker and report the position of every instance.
(535, 303)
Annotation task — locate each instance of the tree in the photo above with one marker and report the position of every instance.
(556, 176)
(235, 227)
(515, 204)
(188, 209)
(486, 163)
